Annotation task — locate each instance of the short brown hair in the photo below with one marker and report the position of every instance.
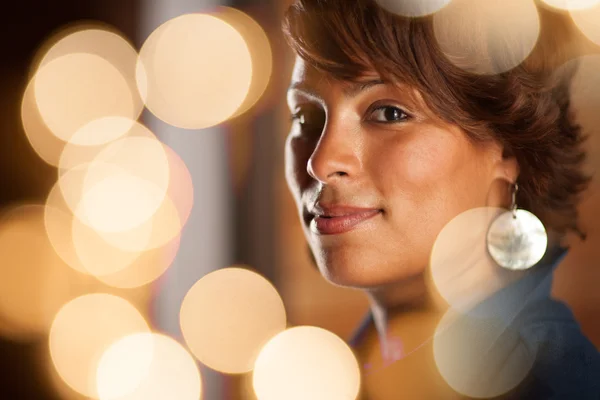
(526, 109)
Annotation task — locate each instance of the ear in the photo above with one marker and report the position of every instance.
(504, 172)
(505, 165)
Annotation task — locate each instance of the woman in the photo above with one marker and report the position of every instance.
(393, 149)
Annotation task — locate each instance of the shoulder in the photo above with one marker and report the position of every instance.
(567, 364)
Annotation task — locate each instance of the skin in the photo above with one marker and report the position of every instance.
(380, 147)
(375, 144)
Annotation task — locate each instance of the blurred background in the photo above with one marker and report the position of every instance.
(202, 118)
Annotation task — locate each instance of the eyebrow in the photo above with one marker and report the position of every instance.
(350, 90)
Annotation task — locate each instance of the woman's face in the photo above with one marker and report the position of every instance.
(376, 177)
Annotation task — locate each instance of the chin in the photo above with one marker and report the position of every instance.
(359, 270)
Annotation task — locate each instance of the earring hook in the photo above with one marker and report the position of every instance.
(513, 205)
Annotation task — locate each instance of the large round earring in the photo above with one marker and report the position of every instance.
(516, 239)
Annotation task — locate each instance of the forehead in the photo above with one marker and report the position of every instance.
(306, 74)
(308, 77)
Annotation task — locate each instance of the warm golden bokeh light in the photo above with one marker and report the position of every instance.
(75, 89)
(480, 357)
(95, 136)
(148, 366)
(88, 251)
(461, 269)
(59, 228)
(585, 100)
(101, 131)
(83, 329)
(61, 390)
(155, 232)
(47, 146)
(118, 200)
(108, 44)
(260, 51)
(195, 71)
(168, 220)
(34, 281)
(124, 366)
(487, 37)
(146, 268)
(571, 4)
(92, 38)
(122, 187)
(130, 254)
(172, 212)
(228, 315)
(87, 39)
(98, 257)
(133, 175)
(306, 363)
(81, 247)
(413, 8)
(587, 21)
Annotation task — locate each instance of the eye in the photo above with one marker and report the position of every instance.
(388, 114)
(309, 118)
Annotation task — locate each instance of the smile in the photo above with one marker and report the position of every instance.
(333, 225)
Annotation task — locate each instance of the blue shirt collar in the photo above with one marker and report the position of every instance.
(534, 286)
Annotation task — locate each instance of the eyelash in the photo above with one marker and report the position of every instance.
(405, 116)
(295, 116)
(303, 111)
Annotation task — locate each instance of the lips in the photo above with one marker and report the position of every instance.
(339, 219)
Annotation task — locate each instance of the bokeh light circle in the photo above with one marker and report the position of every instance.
(413, 8)
(119, 201)
(102, 41)
(34, 281)
(58, 221)
(88, 39)
(480, 357)
(585, 102)
(87, 251)
(571, 4)
(146, 268)
(170, 217)
(461, 268)
(487, 37)
(587, 21)
(98, 257)
(92, 138)
(74, 89)
(80, 246)
(306, 363)
(148, 366)
(228, 315)
(83, 329)
(47, 146)
(260, 51)
(92, 38)
(122, 187)
(195, 71)
(174, 210)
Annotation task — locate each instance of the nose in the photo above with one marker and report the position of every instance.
(336, 155)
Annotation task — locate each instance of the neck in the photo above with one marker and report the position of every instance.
(408, 295)
(416, 294)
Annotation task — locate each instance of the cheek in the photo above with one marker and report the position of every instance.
(297, 154)
(428, 159)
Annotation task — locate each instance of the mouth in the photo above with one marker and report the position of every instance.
(338, 220)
